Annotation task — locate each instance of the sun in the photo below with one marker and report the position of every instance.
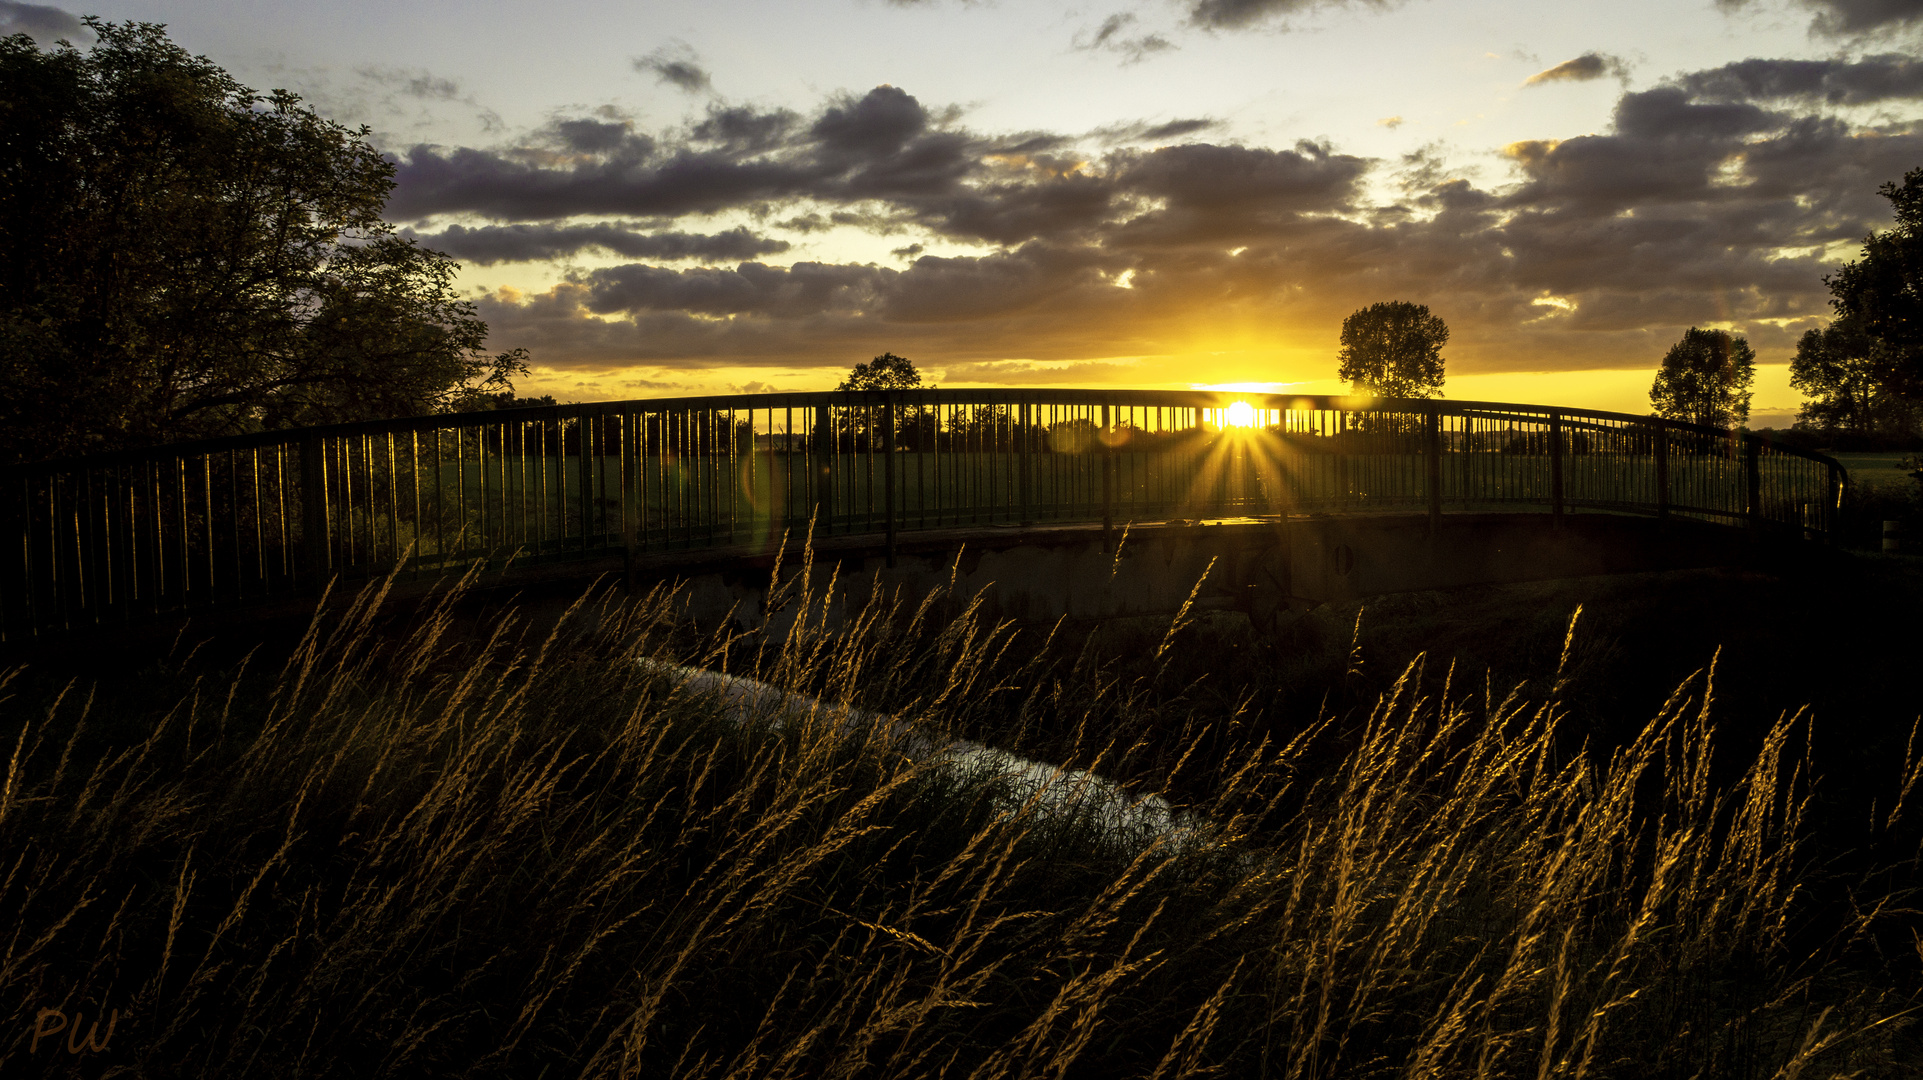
(1240, 414)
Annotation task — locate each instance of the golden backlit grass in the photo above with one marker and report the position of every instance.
(422, 853)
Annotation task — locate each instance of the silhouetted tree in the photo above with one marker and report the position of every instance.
(1882, 292)
(884, 372)
(1839, 370)
(1705, 379)
(1393, 349)
(184, 257)
(483, 401)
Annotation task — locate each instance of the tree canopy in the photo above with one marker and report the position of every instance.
(1881, 294)
(884, 372)
(1393, 349)
(1705, 379)
(186, 258)
(1840, 370)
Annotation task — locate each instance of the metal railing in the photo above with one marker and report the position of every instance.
(229, 521)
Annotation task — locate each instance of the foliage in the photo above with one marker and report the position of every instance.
(474, 399)
(511, 855)
(1393, 349)
(188, 258)
(1837, 368)
(1883, 291)
(1705, 379)
(884, 372)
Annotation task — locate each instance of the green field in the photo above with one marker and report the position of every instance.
(1876, 471)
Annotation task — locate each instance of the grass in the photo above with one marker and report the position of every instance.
(427, 849)
(1878, 471)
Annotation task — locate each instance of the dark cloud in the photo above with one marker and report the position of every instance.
(878, 123)
(882, 145)
(1143, 131)
(40, 22)
(631, 177)
(1582, 69)
(676, 65)
(1240, 14)
(742, 130)
(589, 135)
(1110, 36)
(424, 85)
(1851, 18)
(1175, 129)
(1887, 77)
(1668, 112)
(803, 290)
(1207, 194)
(1704, 201)
(492, 244)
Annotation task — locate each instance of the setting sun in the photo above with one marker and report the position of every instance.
(1240, 414)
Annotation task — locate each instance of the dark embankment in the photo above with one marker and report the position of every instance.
(431, 847)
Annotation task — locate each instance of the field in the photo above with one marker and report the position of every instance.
(1881, 472)
(1468, 833)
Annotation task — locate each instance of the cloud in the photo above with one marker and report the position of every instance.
(1390, 122)
(1886, 77)
(1841, 18)
(40, 22)
(1143, 131)
(881, 146)
(676, 65)
(492, 244)
(1851, 18)
(1175, 129)
(1582, 69)
(421, 84)
(1109, 37)
(392, 95)
(1708, 199)
(1242, 14)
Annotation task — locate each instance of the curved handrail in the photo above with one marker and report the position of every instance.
(1207, 399)
(230, 520)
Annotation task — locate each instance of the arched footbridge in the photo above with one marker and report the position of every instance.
(1080, 502)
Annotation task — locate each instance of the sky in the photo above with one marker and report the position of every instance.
(664, 198)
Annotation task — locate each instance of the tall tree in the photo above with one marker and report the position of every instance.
(184, 257)
(1882, 292)
(884, 372)
(1705, 379)
(1393, 349)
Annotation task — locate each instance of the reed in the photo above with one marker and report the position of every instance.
(420, 851)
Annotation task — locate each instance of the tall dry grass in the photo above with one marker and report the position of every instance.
(427, 852)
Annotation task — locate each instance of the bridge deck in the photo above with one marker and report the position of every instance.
(234, 523)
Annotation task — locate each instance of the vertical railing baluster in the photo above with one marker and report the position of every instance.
(824, 488)
(1752, 485)
(1107, 454)
(313, 511)
(1660, 433)
(1555, 466)
(1432, 476)
(888, 474)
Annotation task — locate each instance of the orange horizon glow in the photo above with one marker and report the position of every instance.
(1624, 390)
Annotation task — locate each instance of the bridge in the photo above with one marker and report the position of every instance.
(1085, 502)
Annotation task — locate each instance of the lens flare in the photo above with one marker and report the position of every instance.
(1241, 414)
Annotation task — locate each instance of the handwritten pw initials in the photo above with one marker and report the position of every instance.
(42, 1030)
